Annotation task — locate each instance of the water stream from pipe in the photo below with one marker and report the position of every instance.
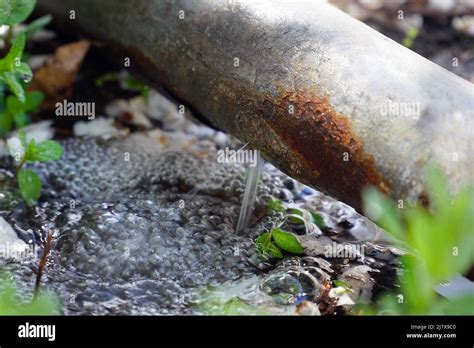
(251, 186)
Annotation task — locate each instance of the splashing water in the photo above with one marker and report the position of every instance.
(253, 176)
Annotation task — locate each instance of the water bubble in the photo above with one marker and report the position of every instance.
(27, 78)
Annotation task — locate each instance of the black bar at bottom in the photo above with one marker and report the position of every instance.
(418, 330)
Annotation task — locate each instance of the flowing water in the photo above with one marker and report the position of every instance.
(251, 186)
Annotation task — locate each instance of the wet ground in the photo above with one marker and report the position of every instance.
(138, 230)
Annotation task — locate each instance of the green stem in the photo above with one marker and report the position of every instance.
(20, 165)
(269, 241)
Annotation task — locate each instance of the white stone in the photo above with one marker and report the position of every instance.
(11, 247)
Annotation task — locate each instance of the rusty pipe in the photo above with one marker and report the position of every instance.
(325, 98)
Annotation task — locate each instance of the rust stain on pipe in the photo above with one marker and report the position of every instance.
(327, 144)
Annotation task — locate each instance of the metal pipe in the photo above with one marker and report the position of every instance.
(324, 97)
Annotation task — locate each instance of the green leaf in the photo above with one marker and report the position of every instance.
(266, 247)
(387, 305)
(30, 151)
(5, 10)
(6, 123)
(130, 83)
(296, 219)
(381, 209)
(2, 98)
(437, 188)
(23, 71)
(318, 219)
(30, 186)
(22, 136)
(37, 25)
(342, 283)
(263, 239)
(48, 150)
(109, 77)
(287, 241)
(12, 59)
(417, 284)
(15, 86)
(21, 120)
(458, 306)
(33, 101)
(19, 10)
(273, 251)
(14, 106)
(410, 37)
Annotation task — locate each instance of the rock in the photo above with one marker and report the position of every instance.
(442, 5)
(131, 111)
(341, 293)
(315, 246)
(464, 24)
(457, 287)
(100, 127)
(360, 282)
(163, 110)
(307, 308)
(3, 148)
(11, 247)
(325, 246)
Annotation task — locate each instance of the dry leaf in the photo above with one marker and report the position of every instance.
(56, 77)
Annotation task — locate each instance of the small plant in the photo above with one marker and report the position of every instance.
(233, 306)
(14, 12)
(410, 36)
(16, 113)
(42, 304)
(127, 82)
(440, 243)
(15, 74)
(29, 182)
(13, 70)
(271, 244)
(295, 214)
(15, 103)
(342, 284)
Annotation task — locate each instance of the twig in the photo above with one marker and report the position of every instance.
(47, 248)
